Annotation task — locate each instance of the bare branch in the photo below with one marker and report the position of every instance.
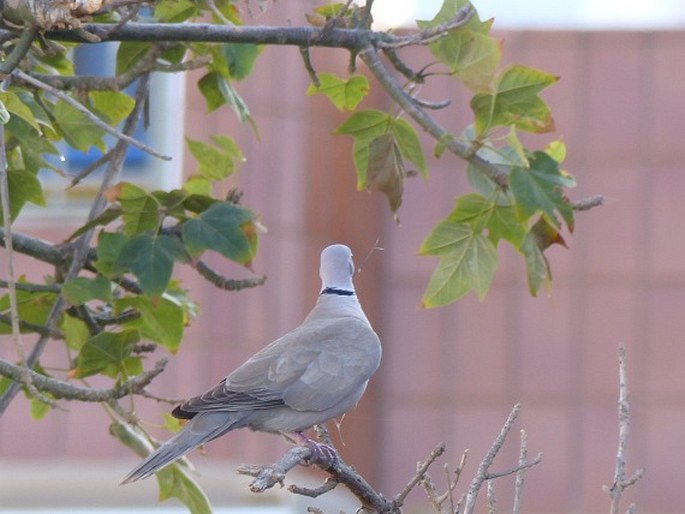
(620, 482)
(521, 473)
(485, 464)
(420, 473)
(588, 203)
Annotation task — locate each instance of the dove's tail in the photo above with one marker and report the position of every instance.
(200, 429)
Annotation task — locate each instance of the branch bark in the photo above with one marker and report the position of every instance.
(63, 390)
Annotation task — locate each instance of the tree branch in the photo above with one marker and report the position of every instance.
(265, 477)
(620, 481)
(227, 284)
(482, 474)
(66, 391)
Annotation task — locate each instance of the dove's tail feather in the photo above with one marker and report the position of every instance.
(202, 428)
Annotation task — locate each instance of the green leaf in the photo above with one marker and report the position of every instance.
(364, 126)
(75, 332)
(109, 254)
(496, 216)
(23, 187)
(16, 107)
(151, 259)
(128, 54)
(161, 321)
(80, 290)
(467, 262)
(33, 308)
(108, 353)
(175, 11)
(213, 163)
(240, 58)
(217, 91)
(224, 228)
(515, 100)
(173, 479)
(198, 185)
(107, 216)
(39, 409)
(113, 106)
(556, 150)
(467, 51)
(345, 94)
(141, 211)
(409, 145)
(539, 189)
(78, 131)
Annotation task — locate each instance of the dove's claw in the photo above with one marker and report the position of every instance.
(321, 453)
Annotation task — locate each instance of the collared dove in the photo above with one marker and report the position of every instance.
(313, 374)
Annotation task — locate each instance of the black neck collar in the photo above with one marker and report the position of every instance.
(337, 291)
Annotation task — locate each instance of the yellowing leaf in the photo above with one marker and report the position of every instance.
(386, 171)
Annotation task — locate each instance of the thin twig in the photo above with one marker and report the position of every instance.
(485, 464)
(306, 59)
(588, 203)
(620, 481)
(430, 35)
(91, 117)
(228, 284)
(398, 501)
(520, 474)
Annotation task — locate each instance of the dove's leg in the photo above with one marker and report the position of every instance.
(321, 453)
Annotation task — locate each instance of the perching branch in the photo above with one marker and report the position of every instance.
(265, 477)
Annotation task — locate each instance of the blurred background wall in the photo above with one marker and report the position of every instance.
(454, 373)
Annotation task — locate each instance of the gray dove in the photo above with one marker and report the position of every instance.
(313, 374)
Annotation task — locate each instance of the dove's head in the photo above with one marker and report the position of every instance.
(337, 268)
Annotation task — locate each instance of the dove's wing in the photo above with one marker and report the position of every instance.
(309, 369)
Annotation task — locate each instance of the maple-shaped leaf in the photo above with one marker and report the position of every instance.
(539, 188)
(344, 94)
(141, 211)
(514, 100)
(467, 262)
(468, 51)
